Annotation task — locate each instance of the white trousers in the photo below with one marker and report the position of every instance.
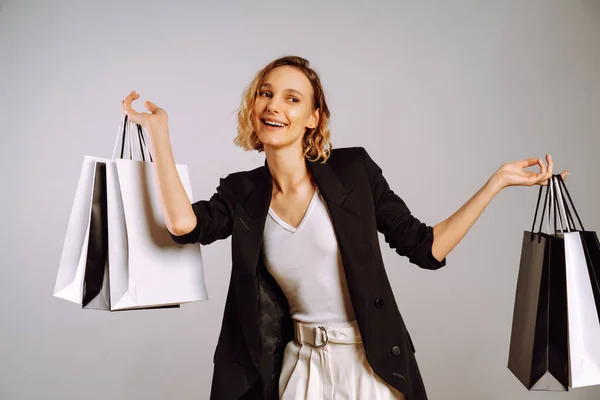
(328, 362)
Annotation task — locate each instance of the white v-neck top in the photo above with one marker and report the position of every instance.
(306, 263)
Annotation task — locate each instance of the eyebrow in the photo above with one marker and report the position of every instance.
(269, 86)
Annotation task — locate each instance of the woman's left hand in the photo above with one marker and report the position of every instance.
(514, 174)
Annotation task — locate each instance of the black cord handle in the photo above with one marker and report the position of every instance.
(141, 141)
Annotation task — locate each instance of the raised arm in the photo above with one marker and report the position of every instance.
(203, 221)
(176, 207)
(453, 229)
(429, 246)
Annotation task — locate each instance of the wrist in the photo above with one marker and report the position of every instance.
(158, 130)
(495, 184)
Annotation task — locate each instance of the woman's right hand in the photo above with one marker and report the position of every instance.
(156, 119)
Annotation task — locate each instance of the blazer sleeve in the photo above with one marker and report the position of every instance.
(402, 231)
(214, 218)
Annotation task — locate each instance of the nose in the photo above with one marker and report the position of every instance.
(272, 106)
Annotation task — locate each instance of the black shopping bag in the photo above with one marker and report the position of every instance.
(538, 354)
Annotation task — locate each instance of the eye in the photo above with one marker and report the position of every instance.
(294, 99)
(265, 94)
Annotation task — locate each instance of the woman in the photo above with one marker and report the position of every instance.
(310, 313)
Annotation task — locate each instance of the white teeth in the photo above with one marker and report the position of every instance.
(273, 123)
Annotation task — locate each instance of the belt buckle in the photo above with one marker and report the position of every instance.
(324, 342)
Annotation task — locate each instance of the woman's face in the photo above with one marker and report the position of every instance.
(284, 109)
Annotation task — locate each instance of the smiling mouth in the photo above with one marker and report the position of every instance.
(273, 124)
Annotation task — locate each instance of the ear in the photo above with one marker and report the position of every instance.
(314, 119)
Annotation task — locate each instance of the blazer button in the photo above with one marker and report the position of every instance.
(378, 303)
(396, 351)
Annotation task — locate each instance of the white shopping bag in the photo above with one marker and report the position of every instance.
(118, 253)
(146, 267)
(583, 320)
(84, 243)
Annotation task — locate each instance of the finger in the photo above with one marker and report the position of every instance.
(543, 181)
(543, 169)
(133, 95)
(128, 102)
(545, 172)
(541, 177)
(151, 107)
(533, 178)
(550, 163)
(528, 162)
(127, 106)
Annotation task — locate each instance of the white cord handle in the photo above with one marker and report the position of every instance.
(561, 204)
(120, 133)
(126, 133)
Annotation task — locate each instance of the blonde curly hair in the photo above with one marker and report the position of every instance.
(316, 142)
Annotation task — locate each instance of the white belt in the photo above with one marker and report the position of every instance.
(319, 335)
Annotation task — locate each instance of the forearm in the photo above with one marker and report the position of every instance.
(448, 233)
(176, 206)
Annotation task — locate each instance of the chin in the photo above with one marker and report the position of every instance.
(276, 140)
(273, 138)
(274, 143)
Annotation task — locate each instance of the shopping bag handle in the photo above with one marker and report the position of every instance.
(553, 207)
(120, 132)
(562, 183)
(551, 203)
(124, 133)
(141, 140)
(559, 206)
(537, 208)
(546, 207)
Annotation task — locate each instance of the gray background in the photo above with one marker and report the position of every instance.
(440, 93)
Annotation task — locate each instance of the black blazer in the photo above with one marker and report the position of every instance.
(256, 323)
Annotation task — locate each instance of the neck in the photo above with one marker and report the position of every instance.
(288, 169)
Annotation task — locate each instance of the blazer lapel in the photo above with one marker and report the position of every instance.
(344, 207)
(248, 227)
